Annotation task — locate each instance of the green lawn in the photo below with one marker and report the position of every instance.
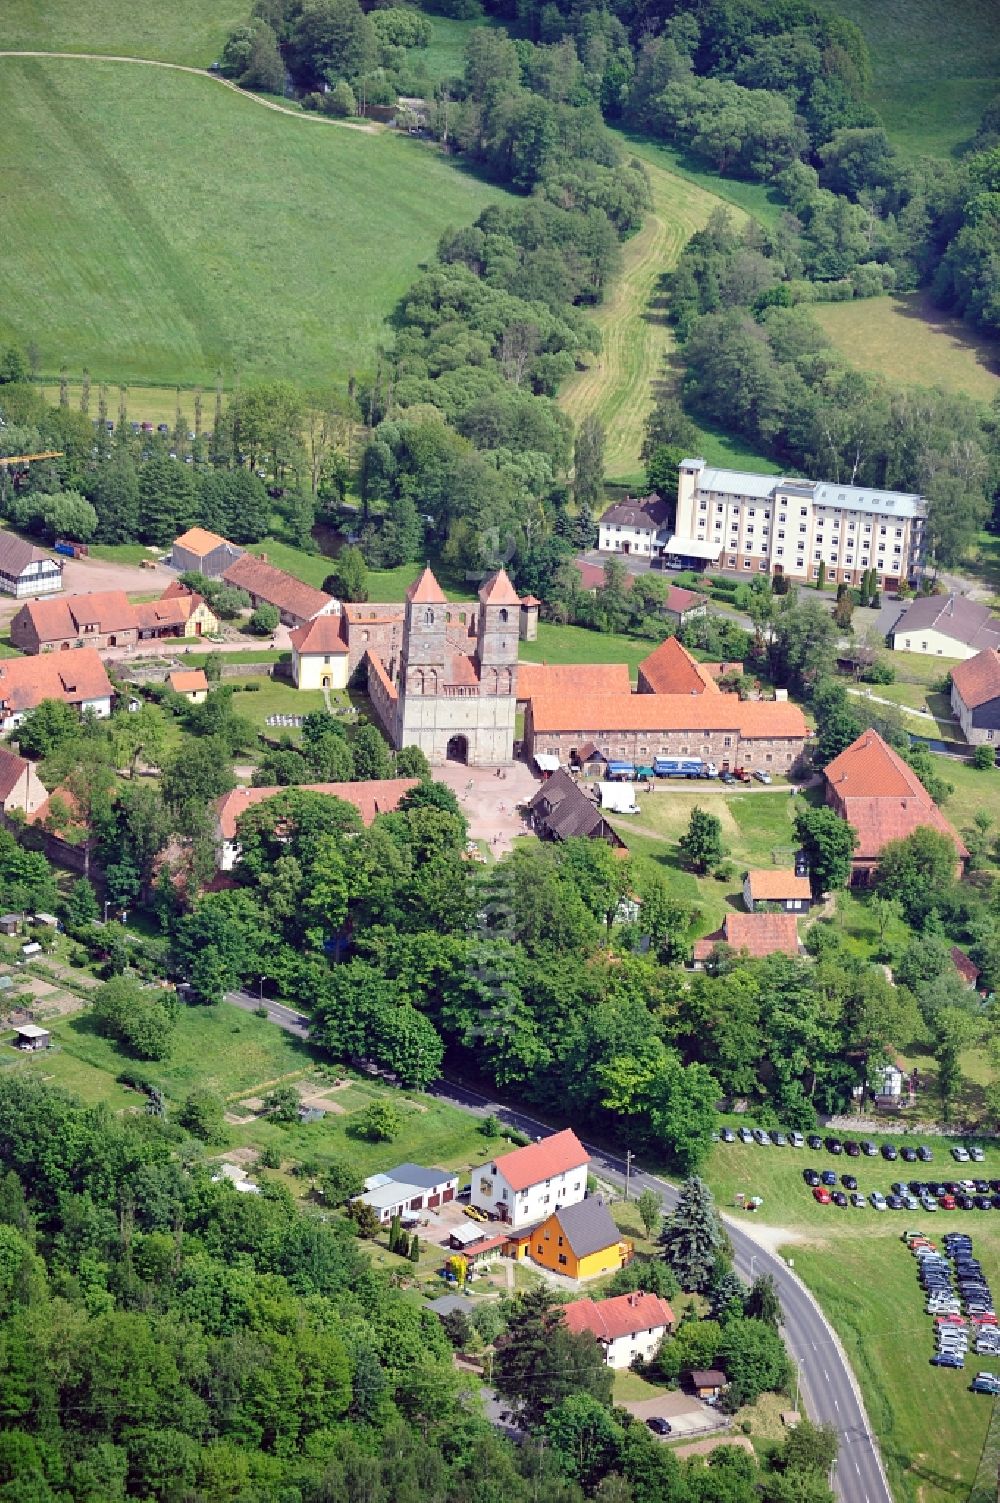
(185, 31)
(935, 65)
(908, 339)
(275, 697)
(918, 668)
(219, 236)
(756, 199)
(930, 1427)
(578, 644)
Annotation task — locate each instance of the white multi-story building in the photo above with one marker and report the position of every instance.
(525, 1186)
(734, 520)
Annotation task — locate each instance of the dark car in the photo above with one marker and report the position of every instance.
(834, 1145)
(726, 777)
(889, 1152)
(848, 1181)
(947, 1359)
(839, 1198)
(983, 1203)
(953, 1188)
(895, 1202)
(869, 1149)
(810, 1176)
(924, 1154)
(828, 1177)
(982, 1186)
(909, 1155)
(852, 1149)
(814, 1140)
(964, 1202)
(659, 1425)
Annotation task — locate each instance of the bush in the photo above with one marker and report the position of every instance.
(264, 621)
(724, 872)
(270, 1157)
(983, 758)
(136, 1080)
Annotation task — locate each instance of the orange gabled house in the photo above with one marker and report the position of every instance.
(580, 1241)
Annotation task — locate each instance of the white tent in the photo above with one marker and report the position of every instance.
(546, 761)
(618, 797)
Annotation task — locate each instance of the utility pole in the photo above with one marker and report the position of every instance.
(629, 1156)
(798, 1380)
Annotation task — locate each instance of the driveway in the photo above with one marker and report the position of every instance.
(687, 1416)
(490, 803)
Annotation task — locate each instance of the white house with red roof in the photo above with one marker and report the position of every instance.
(524, 1187)
(628, 1327)
(320, 654)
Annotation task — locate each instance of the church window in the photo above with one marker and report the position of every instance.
(428, 618)
(503, 614)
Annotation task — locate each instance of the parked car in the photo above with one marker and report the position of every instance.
(726, 777)
(727, 1135)
(761, 775)
(852, 1149)
(814, 1140)
(977, 1155)
(811, 1177)
(947, 1202)
(839, 1198)
(878, 1201)
(889, 1153)
(849, 1181)
(869, 1149)
(822, 1195)
(659, 1425)
(858, 1201)
(829, 1177)
(908, 1154)
(947, 1359)
(960, 1155)
(761, 1137)
(985, 1385)
(796, 1139)
(745, 1135)
(778, 1138)
(895, 1203)
(834, 1146)
(924, 1154)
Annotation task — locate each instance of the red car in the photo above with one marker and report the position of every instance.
(950, 1320)
(822, 1194)
(985, 1320)
(947, 1202)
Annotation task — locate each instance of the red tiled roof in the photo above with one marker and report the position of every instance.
(672, 670)
(169, 611)
(376, 666)
(72, 676)
(573, 679)
(69, 801)
(530, 600)
(978, 679)
(882, 797)
(870, 767)
(592, 575)
(557, 1154)
(275, 586)
(188, 681)
(107, 611)
(964, 966)
(770, 886)
(12, 768)
(198, 540)
(378, 796)
(682, 600)
(321, 634)
(425, 590)
(498, 590)
(624, 1315)
(597, 713)
(759, 934)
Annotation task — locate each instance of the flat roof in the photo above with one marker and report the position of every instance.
(692, 547)
(32, 1031)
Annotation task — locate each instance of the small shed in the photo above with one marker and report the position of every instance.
(31, 949)
(30, 1037)
(618, 797)
(462, 1237)
(9, 923)
(707, 1384)
(47, 920)
(450, 1304)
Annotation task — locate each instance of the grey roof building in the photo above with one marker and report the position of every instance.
(588, 1226)
(561, 810)
(966, 625)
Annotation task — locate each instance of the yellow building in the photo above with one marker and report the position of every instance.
(191, 683)
(580, 1241)
(319, 654)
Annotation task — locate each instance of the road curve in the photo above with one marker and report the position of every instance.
(155, 62)
(828, 1390)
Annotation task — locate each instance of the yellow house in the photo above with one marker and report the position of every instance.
(202, 620)
(319, 654)
(191, 683)
(580, 1241)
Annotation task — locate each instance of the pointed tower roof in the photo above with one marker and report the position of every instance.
(498, 590)
(425, 590)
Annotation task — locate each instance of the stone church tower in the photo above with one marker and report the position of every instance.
(455, 703)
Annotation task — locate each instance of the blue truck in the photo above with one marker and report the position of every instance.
(684, 767)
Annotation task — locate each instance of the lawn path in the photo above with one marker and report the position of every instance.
(152, 62)
(620, 383)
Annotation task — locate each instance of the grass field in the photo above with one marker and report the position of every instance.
(930, 1427)
(908, 339)
(221, 235)
(935, 65)
(185, 31)
(577, 644)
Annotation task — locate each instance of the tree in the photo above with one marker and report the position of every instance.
(372, 757)
(762, 1303)
(350, 577)
(81, 906)
(918, 871)
(755, 1362)
(828, 842)
(379, 1122)
(365, 1218)
(141, 1019)
(984, 758)
(202, 1115)
(69, 515)
(693, 1239)
(339, 1181)
(414, 1253)
(457, 1328)
(341, 100)
(588, 464)
(650, 1210)
(727, 1296)
(51, 725)
(264, 621)
(539, 1362)
(586, 1440)
(282, 1104)
(701, 845)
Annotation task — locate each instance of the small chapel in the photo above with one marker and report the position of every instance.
(451, 688)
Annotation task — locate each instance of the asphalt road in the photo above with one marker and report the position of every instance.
(828, 1392)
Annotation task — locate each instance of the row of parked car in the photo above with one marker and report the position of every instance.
(853, 1147)
(912, 1195)
(954, 1282)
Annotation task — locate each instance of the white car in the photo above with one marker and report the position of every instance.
(796, 1139)
(878, 1201)
(960, 1155)
(761, 775)
(977, 1155)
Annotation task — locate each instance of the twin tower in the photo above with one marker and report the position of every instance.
(456, 693)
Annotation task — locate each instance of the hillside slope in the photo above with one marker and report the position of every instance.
(158, 227)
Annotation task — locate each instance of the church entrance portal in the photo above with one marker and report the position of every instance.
(458, 749)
